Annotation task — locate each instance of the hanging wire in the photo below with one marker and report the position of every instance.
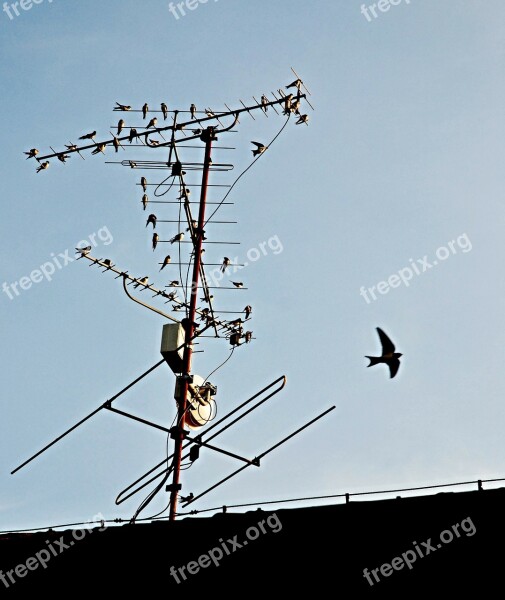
(221, 365)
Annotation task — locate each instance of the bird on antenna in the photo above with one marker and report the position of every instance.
(132, 135)
(237, 284)
(88, 136)
(296, 84)
(156, 237)
(145, 108)
(152, 219)
(143, 183)
(248, 336)
(226, 262)
(388, 357)
(303, 119)
(115, 143)
(173, 283)
(142, 281)
(260, 148)
(62, 157)
(43, 166)
(264, 102)
(152, 123)
(122, 107)
(145, 200)
(164, 110)
(83, 251)
(166, 261)
(177, 238)
(192, 110)
(31, 153)
(120, 125)
(99, 148)
(287, 103)
(248, 311)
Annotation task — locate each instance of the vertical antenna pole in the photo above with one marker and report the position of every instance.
(208, 136)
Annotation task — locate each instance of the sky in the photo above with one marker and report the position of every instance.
(386, 211)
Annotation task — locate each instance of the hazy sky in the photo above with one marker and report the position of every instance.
(397, 179)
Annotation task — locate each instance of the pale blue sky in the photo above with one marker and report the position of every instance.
(403, 154)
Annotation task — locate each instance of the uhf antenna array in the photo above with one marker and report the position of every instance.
(195, 397)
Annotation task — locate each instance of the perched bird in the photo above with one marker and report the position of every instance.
(164, 110)
(389, 356)
(145, 200)
(156, 237)
(152, 219)
(237, 322)
(152, 123)
(295, 106)
(173, 283)
(132, 135)
(83, 251)
(248, 311)
(235, 338)
(88, 136)
(177, 307)
(180, 126)
(143, 183)
(166, 261)
(237, 284)
(226, 262)
(296, 84)
(43, 166)
(196, 131)
(142, 281)
(303, 119)
(264, 102)
(122, 107)
(248, 336)
(185, 192)
(145, 108)
(209, 113)
(177, 238)
(133, 165)
(115, 143)
(154, 142)
(260, 148)
(192, 110)
(120, 126)
(287, 103)
(32, 153)
(71, 146)
(99, 148)
(172, 296)
(204, 314)
(108, 263)
(207, 298)
(63, 157)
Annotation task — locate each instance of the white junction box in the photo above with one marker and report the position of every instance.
(171, 339)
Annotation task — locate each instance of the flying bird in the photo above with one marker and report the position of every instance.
(226, 262)
(177, 238)
(164, 110)
(192, 110)
(133, 134)
(152, 219)
(389, 356)
(296, 84)
(43, 166)
(120, 126)
(260, 148)
(142, 281)
(32, 153)
(152, 123)
(248, 311)
(303, 119)
(237, 284)
(145, 200)
(88, 136)
(166, 261)
(156, 237)
(99, 148)
(83, 251)
(145, 108)
(122, 107)
(143, 183)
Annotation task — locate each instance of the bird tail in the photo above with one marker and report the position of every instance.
(373, 360)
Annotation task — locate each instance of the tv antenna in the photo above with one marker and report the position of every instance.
(169, 134)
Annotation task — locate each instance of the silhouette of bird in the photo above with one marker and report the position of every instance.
(143, 183)
(192, 110)
(156, 237)
(287, 103)
(264, 101)
(164, 110)
(122, 107)
(209, 113)
(145, 200)
(204, 314)
(248, 336)
(63, 157)
(115, 143)
(32, 153)
(83, 251)
(152, 219)
(88, 136)
(260, 148)
(142, 281)
(303, 119)
(296, 84)
(173, 283)
(71, 146)
(132, 135)
(154, 142)
(166, 261)
(226, 262)
(43, 166)
(177, 238)
(176, 307)
(120, 126)
(133, 165)
(295, 106)
(152, 123)
(389, 356)
(248, 311)
(237, 284)
(108, 263)
(145, 108)
(197, 131)
(237, 322)
(99, 148)
(207, 298)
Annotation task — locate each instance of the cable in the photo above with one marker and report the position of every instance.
(221, 365)
(245, 171)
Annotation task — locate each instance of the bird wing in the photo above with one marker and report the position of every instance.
(387, 344)
(257, 144)
(393, 365)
